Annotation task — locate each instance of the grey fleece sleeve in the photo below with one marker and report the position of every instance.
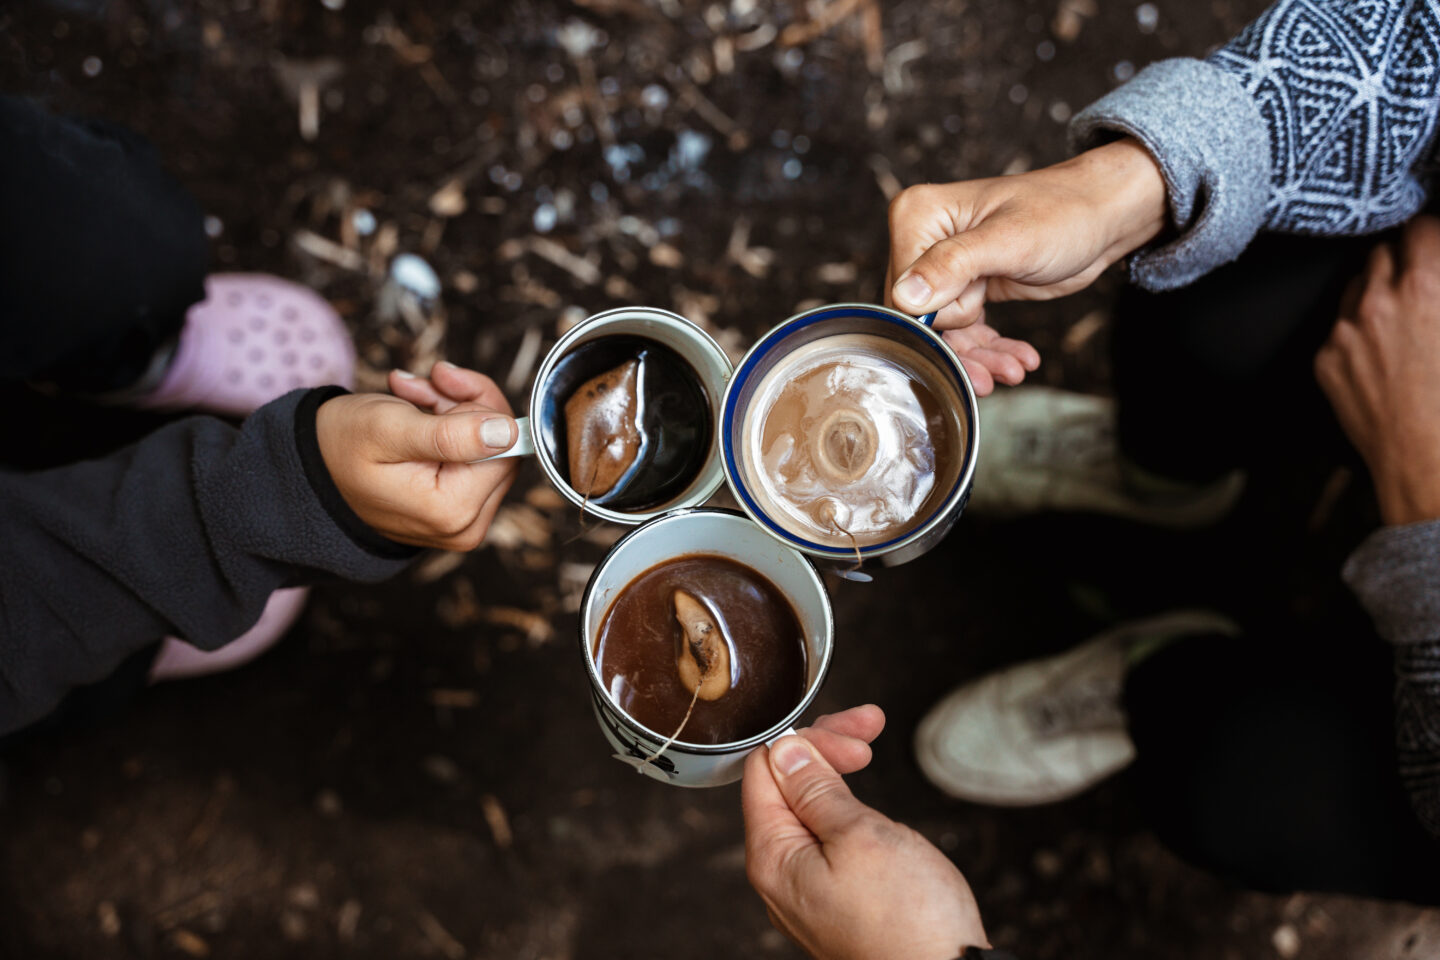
(1317, 119)
(1396, 575)
(185, 533)
(1207, 137)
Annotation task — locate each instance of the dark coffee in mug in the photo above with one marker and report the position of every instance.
(852, 440)
(706, 618)
(627, 421)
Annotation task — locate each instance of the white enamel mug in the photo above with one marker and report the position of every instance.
(694, 345)
(702, 531)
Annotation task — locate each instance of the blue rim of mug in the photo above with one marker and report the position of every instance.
(766, 343)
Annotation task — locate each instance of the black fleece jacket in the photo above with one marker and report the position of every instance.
(186, 533)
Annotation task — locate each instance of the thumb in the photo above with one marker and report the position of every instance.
(944, 271)
(457, 437)
(812, 788)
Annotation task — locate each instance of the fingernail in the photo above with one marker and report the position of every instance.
(495, 433)
(790, 755)
(913, 290)
(446, 364)
(405, 374)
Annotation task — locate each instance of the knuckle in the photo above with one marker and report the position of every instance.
(909, 200)
(447, 440)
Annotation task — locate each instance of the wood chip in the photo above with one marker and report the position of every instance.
(755, 261)
(460, 608)
(525, 358)
(536, 627)
(885, 178)
(327, 250)
(1019, 164)
(440, 937)
(664, 255)
(1070, 17)
(1083, 331)
(189, 943)
(214, 809)
(798, 34)
(440, 769)
(347, 921)
(455, 699)
(109, 918)
(545, 498)
(757, 39)
(837, 273)
(498, 822)
(581, 269)
(439, 564)
(517, 525)
(449, 200)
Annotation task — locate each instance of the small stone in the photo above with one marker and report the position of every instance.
(415, 275)
(109, 918)
(92, 66)
(1147, 17)
(293, 926)
(1048, 864)
(1286, 940)
(441, 769)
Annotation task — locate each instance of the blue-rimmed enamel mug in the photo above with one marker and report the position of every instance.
(682, 533)
(953, 479)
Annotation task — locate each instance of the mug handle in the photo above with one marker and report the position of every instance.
(927, 321)
(524, 445)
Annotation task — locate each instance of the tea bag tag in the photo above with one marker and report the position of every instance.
(787, 732)
(643, 765)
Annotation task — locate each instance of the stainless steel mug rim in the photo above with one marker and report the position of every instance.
(598, 687)
(558, 351)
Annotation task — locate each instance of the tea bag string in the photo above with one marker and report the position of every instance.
(676, 735)
(584, 504)
(859, 560)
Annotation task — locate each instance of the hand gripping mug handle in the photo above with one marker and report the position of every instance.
(524, 445)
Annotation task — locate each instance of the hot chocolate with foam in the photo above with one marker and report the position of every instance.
(852, 440)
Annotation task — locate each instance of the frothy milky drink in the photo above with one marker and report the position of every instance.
(854, 435)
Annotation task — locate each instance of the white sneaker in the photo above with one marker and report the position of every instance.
(1043, 731)
(1047, 449)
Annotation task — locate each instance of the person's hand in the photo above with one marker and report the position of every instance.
(407, 472)
(1032, 236)
(842, 880)
(1381, 370)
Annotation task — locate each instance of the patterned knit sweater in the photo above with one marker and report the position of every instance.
(1319, 118)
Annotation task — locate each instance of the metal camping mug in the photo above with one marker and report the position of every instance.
(694, 345)
(680, 533)
(837, 320)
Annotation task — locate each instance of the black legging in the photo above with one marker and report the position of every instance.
(1269, 759)
(100, 254)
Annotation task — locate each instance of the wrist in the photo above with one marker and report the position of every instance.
(1125, 188)
(1404, 500)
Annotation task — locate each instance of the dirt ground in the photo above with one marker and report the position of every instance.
(415, 772)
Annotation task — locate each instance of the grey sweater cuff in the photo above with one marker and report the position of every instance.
(1396, 575)
(1213, 149)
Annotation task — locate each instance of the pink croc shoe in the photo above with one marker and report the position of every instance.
(178, 660)
(253, 338)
